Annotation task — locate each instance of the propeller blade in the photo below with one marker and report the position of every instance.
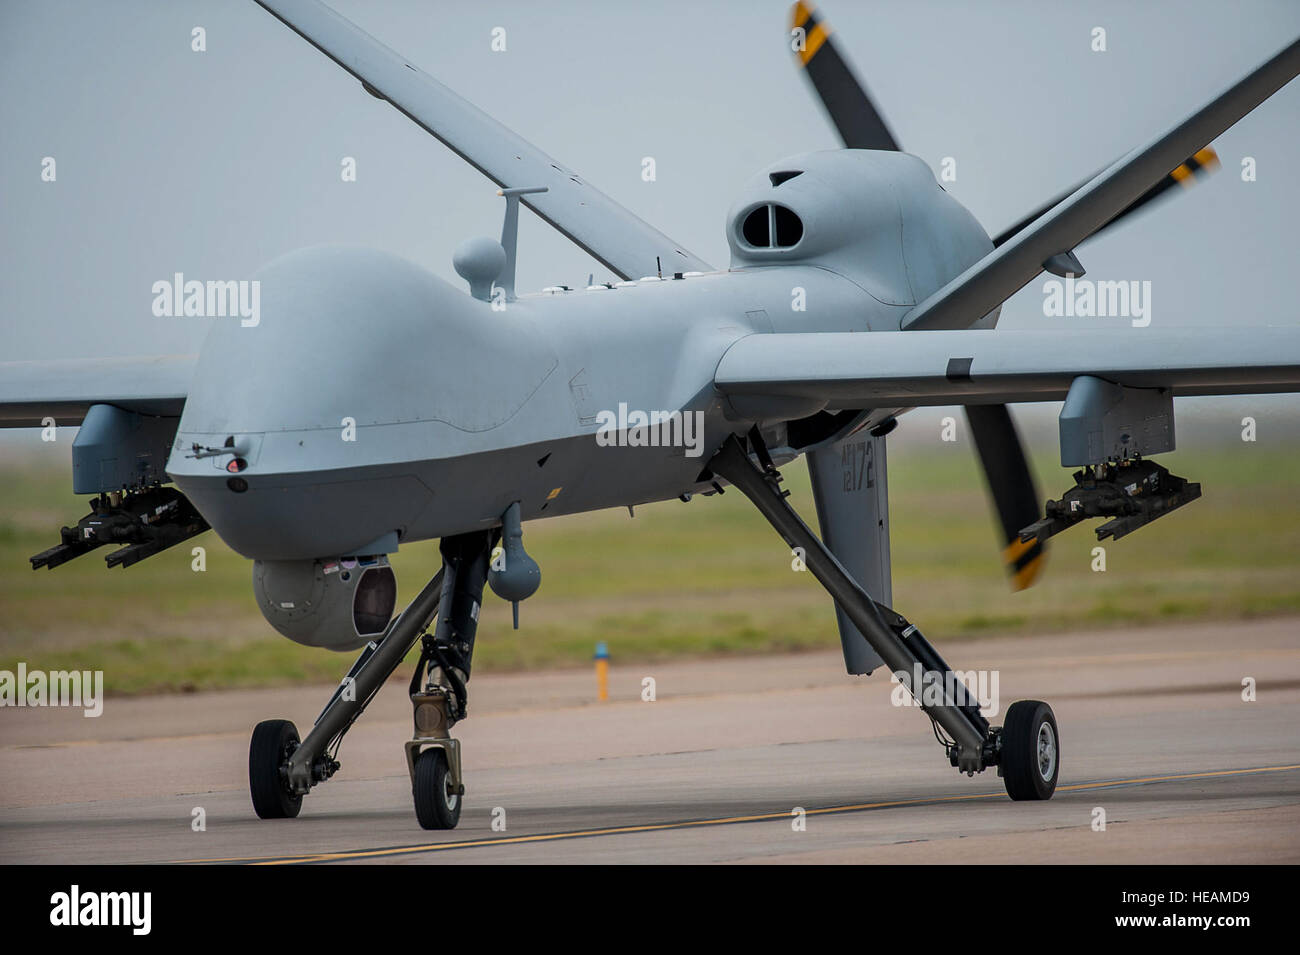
(855, 116)
(861, 126)
(1201, 164)
(1012, 486)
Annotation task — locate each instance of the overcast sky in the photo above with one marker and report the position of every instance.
(213, 163)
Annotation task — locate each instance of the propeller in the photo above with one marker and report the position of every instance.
(1204, 162)
(1012, 487)
(1001, 454)
(859, 123)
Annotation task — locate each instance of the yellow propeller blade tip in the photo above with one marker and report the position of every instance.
(1027, 576)
(1208, 158)
(799, 14)
(1023, 577)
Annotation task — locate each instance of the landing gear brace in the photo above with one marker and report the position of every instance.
(1025, 748)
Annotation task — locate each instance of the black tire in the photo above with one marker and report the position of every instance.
(273, 741)
(1031, 750)
(436, 806)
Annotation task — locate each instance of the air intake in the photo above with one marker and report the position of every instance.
(772, 227)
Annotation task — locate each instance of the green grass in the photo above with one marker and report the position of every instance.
(705, 578)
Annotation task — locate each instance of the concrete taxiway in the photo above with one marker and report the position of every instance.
(1155, 734)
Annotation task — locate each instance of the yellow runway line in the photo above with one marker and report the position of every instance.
(722, 820)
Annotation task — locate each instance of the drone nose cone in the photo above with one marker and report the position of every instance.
(355, 334)
(333, 323)
(359, 364)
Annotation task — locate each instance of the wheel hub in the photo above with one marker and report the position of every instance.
(1046, 750)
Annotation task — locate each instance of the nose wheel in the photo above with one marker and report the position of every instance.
(437, 795)
(433, 755)
(1030, 757)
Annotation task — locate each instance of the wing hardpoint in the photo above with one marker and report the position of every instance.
(625, 244)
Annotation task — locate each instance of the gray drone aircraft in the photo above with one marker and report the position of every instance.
(375, 405)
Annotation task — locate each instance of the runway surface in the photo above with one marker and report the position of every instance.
(1154, 733)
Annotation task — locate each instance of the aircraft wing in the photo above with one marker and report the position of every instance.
(1014, 263)
(912, 369)
(623, 243)
(64, 389)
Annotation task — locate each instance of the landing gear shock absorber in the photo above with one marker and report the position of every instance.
(971, 744)
(439, 698)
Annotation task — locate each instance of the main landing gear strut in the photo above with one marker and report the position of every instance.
(282, 769)
(1025, 749)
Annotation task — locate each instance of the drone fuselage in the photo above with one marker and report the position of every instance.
(373, 403)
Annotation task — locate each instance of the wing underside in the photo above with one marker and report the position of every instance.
(65, 389)
(911, 369)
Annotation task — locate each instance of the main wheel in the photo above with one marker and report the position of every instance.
(1031, 750)
(437, 804)
(272, 744)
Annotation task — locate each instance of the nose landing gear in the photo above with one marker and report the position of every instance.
(282, 769)
(432, 754)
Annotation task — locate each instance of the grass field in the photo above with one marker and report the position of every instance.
(708, 577)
